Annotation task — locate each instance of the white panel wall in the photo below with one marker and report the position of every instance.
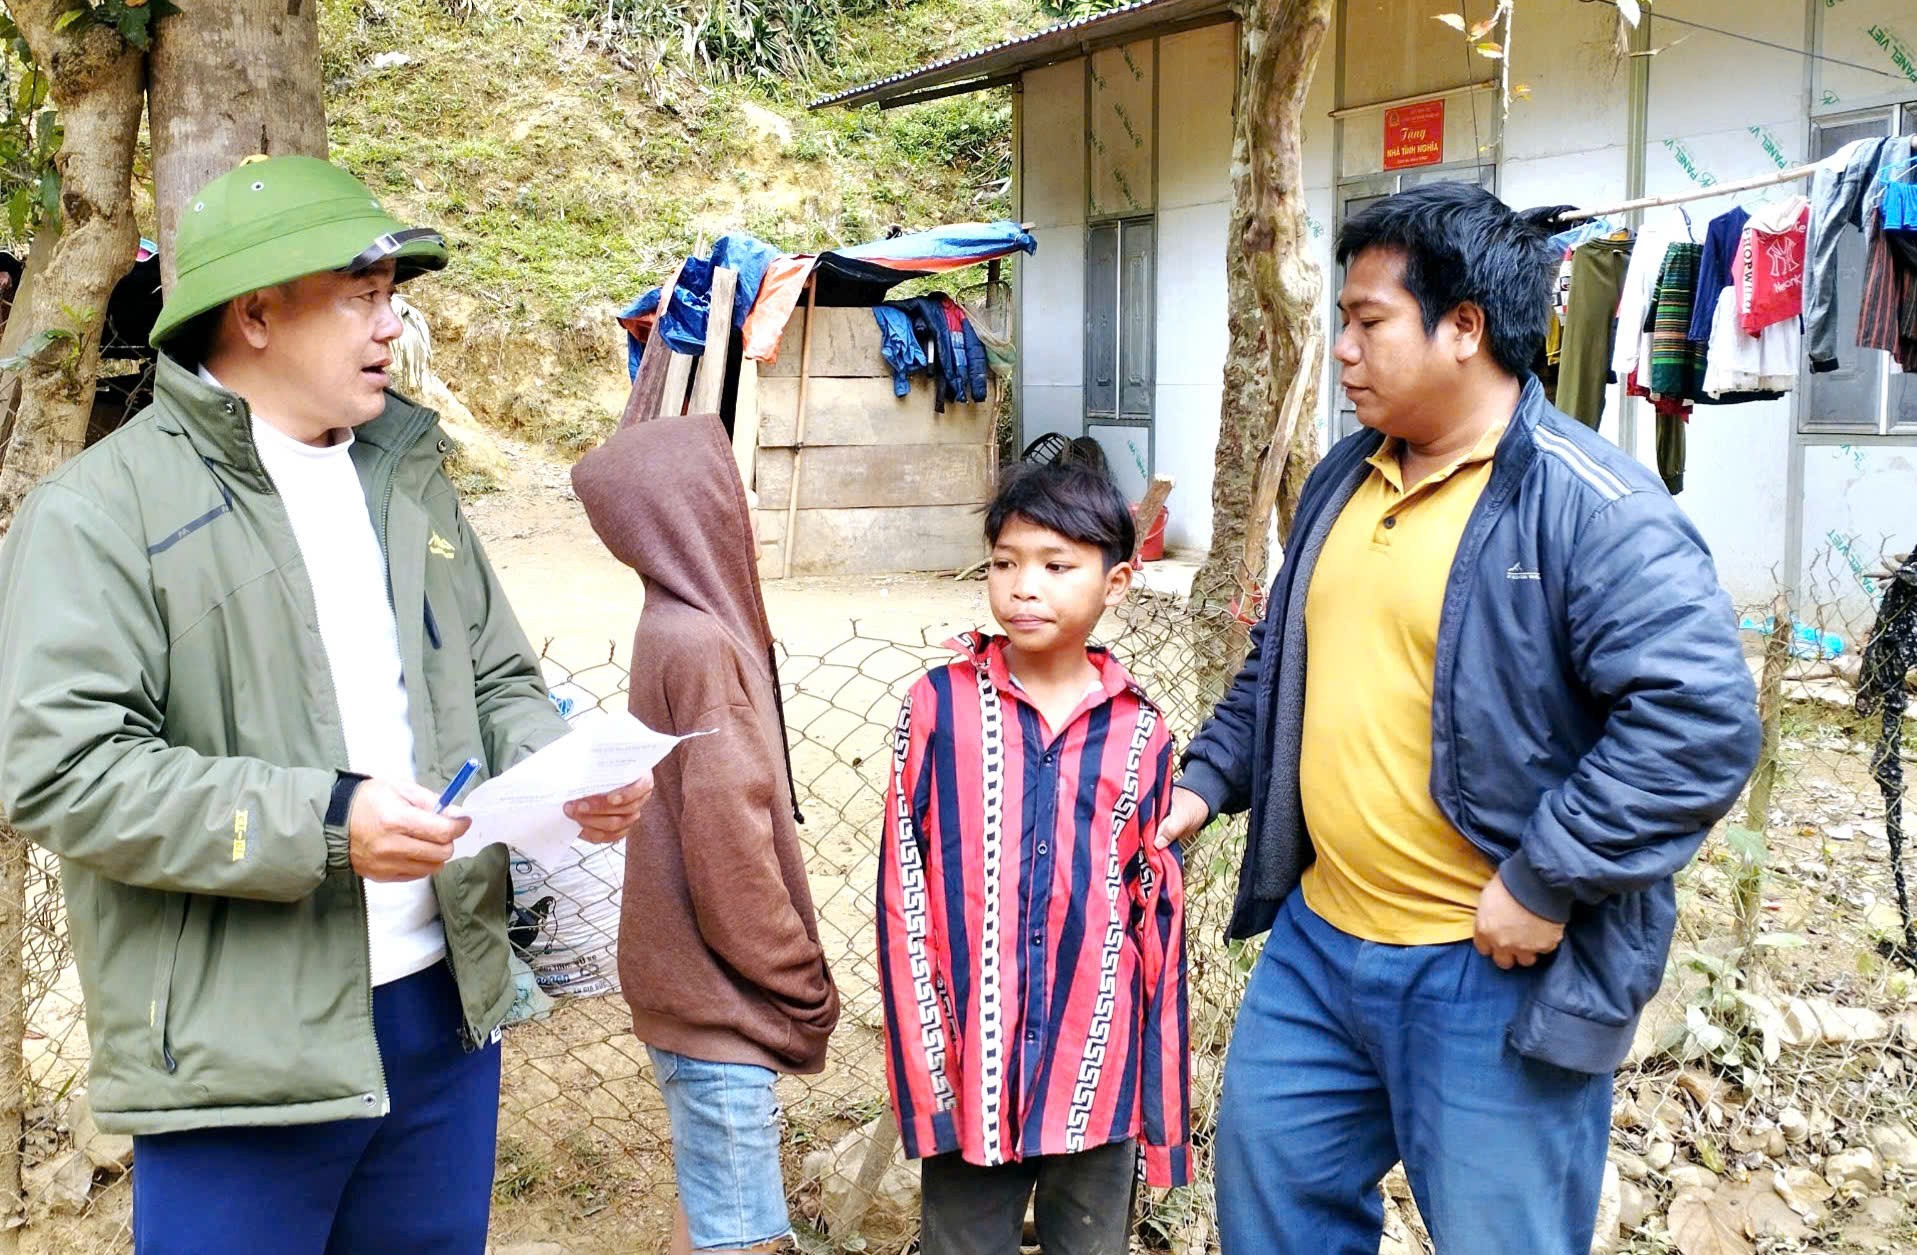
(1196, 73)
(1051, 283)
(1856, 514)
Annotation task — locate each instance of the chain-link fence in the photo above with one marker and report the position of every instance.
(1769, 1093)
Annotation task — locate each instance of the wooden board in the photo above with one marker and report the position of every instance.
(865, 412)
(745, 421)
(672, 398)
(844, 345)
(852, 542)
(853, 477)
(709, 385)
(642, 403)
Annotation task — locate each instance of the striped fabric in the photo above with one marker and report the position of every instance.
(1674, 356)
(1887, 315)
(1031, 940)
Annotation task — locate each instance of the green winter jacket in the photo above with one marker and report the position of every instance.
(169, 728)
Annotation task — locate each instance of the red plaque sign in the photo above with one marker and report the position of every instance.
(1414, 135)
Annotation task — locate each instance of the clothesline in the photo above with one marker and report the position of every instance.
(1703, 193)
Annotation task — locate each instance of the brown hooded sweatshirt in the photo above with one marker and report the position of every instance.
(719, 951)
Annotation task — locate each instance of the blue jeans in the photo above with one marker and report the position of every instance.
(725, 1150)
(418, 1179)
(1349, 1055)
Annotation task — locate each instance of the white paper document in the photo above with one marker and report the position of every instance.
(525, 807)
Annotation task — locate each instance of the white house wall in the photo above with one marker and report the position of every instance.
(1051, 288)
(1719, 110)
(1197, 72)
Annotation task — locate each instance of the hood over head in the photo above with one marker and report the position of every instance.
(665, 498)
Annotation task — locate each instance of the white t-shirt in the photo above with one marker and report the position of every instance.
(323, 498)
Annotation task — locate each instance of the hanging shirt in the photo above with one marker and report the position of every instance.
(1031, 935)
(1740, 363)
(1716, 268)
(1634, 300)
(1770, 273)
(327, 507)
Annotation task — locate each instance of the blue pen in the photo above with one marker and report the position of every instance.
(459, 783)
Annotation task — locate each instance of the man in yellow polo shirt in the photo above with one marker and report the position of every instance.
(1497, 701)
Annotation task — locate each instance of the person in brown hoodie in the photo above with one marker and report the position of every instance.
(719, 951)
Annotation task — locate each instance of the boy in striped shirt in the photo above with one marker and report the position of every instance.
(1031, 933)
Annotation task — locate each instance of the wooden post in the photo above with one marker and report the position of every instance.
(745, 422)
(672, 399)
(798, 429)
(642, 403)
(1748, 885)
(709, 386)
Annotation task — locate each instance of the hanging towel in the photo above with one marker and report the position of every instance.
(1634, 299)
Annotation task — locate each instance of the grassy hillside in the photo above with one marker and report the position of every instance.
(571, 166)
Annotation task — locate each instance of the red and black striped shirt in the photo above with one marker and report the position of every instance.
(1031, 939)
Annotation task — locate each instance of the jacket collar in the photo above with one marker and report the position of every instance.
(220, 425)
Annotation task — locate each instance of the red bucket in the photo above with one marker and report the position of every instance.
(1151, 546)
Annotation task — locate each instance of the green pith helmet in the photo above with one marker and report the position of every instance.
(274, 219)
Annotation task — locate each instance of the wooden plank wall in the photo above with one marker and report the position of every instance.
(889, 484)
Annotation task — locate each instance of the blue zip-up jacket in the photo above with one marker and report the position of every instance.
(900, 347)
(1592, 715)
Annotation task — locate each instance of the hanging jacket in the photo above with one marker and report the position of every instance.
(959, 355)
(1840, 191)
(1592, 715)
(169, 727)
(968, 351)
(900, 347)
(719, 953)
(1031, 935)
(1716, 269)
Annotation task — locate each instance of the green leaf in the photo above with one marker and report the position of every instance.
(19, 207)
(68, 18)
(132, 24)
(50, 197)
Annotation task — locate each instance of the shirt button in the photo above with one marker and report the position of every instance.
(1038, 939)
(1042, 847)
(1031, 1034)
(1391, 520)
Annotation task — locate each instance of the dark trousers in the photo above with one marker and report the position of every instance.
(1084, 1204)
(418, 1179)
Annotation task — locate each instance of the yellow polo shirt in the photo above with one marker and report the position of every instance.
(1389, 866)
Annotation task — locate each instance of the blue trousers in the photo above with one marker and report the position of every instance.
(1349, 1056)
(418, 1179)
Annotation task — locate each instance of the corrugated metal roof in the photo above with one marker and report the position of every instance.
(1054, 43)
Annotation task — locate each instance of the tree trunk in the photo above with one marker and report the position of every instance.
(1274, 291)
(230, 80)
(96, 80)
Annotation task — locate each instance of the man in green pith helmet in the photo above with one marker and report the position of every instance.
(244, 642)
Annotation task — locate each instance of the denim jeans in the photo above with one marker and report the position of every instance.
(1350, 1055)
(725, 1149)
